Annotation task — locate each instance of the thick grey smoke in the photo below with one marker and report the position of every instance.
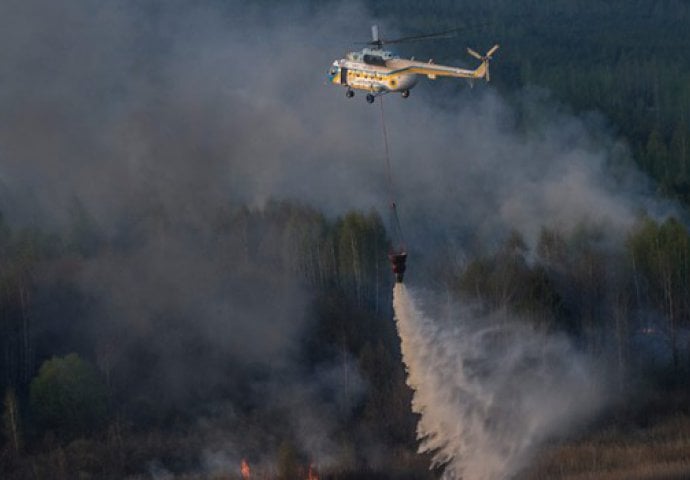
(189, 106)
(490, 390)
(154, 116)
(152, 122)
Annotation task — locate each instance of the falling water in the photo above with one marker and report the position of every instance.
(489, 391)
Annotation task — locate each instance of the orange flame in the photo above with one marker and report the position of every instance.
(244, 469)
(313, 474)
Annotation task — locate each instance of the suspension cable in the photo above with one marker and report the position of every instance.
(395, 220)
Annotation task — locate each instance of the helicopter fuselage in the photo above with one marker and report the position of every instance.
(372, 71)
(379, 71)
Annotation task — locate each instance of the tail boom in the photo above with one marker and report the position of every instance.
(433, 71)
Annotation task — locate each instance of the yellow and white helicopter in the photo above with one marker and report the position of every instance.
(379, 71)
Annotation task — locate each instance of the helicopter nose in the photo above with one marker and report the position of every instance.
(332, 72)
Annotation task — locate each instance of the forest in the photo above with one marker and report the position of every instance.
(625, 60)
(190, 328)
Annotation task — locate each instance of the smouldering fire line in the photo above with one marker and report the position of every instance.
(244, 469)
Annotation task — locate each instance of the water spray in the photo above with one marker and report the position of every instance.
(490, 390)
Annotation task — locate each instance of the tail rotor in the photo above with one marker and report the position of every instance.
(484, 59)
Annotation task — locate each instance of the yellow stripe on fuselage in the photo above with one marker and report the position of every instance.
(373, 80)
(367, 80)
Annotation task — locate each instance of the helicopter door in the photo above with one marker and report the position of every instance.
(343, 76)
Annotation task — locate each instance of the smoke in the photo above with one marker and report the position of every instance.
(490, 390)
(189, 106)
(158, 117)
(154, 123)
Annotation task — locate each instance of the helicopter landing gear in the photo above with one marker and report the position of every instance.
(370, 98)
(405, 93)
(350, 93)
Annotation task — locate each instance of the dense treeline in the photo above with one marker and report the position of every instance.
(81, 394)
(629, 60)
(71, 403)
(628, 302)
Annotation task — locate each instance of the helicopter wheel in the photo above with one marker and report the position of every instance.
(350, 93)
(370, 98)
(405, 93)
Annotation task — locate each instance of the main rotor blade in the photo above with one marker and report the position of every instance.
(428, 36)
(491, 52)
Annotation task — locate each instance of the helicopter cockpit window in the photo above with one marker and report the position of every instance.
(333, 70)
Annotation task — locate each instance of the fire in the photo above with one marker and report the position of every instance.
(244, 469)
(245, 472)
(312, 474)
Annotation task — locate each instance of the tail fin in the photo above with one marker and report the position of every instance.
(482, 71)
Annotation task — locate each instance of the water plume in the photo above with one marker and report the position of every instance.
(490, 390)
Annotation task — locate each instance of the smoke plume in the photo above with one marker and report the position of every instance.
(187, 106)
(158, 118)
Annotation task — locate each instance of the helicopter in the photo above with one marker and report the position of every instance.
(378, 71)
